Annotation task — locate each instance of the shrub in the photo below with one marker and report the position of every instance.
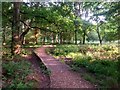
(105, 67)
(65, 49)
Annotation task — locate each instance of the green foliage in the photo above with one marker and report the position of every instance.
(65, 49)
(25, 51)
(99, 52)
(89, 78)
(16, 72)
(102, 68)
(97, 60)
(59, 17)
(92, 36)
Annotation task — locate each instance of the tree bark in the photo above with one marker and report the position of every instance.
(99, 36)
(59, 38)
(23, 35)
(75, 36)
(16, 45)
(3, 36)
(84, 33)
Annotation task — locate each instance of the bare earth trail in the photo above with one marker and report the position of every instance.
(61, 75)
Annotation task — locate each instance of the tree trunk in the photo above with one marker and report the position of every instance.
(23, 35)
(75, 36)
(84, 33)
(16, 44)
(100, 39)
(54, 38)
(3, 36)
(61, 40)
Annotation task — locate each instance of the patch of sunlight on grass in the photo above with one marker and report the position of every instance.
(30, 46)
(73, 55)
(92, 60)
(89, 54)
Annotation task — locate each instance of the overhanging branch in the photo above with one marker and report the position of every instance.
(44, 29)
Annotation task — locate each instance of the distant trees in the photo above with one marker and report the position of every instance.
(60, 22)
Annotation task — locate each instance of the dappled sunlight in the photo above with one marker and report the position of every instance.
(78, 35)
(74, 55)
(49, 46)
(92, 60)
(97, 60)
(17, 49)
(89, 54)
(98, 52)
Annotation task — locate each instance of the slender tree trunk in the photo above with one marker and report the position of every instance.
(54, 38)
(16, 45)
(3, 35)
(75, 36)
(59, 38)
(76, 24)
(84, 36)
(23, 35)
(100, 39)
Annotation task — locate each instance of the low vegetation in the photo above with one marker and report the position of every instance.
(15, 71)
(100, 63)
(32, 24)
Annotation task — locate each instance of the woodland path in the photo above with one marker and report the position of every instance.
(61, 75)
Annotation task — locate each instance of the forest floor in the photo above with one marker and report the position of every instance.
(61, 75)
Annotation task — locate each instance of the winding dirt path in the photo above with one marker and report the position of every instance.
(61, 74)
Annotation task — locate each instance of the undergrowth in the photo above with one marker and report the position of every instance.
(100, 62)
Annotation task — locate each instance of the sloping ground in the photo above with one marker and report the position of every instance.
(42, 79)
(61, 75)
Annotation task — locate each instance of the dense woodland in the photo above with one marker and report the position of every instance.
(79, 24)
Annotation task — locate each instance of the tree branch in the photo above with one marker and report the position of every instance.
(45, 29)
